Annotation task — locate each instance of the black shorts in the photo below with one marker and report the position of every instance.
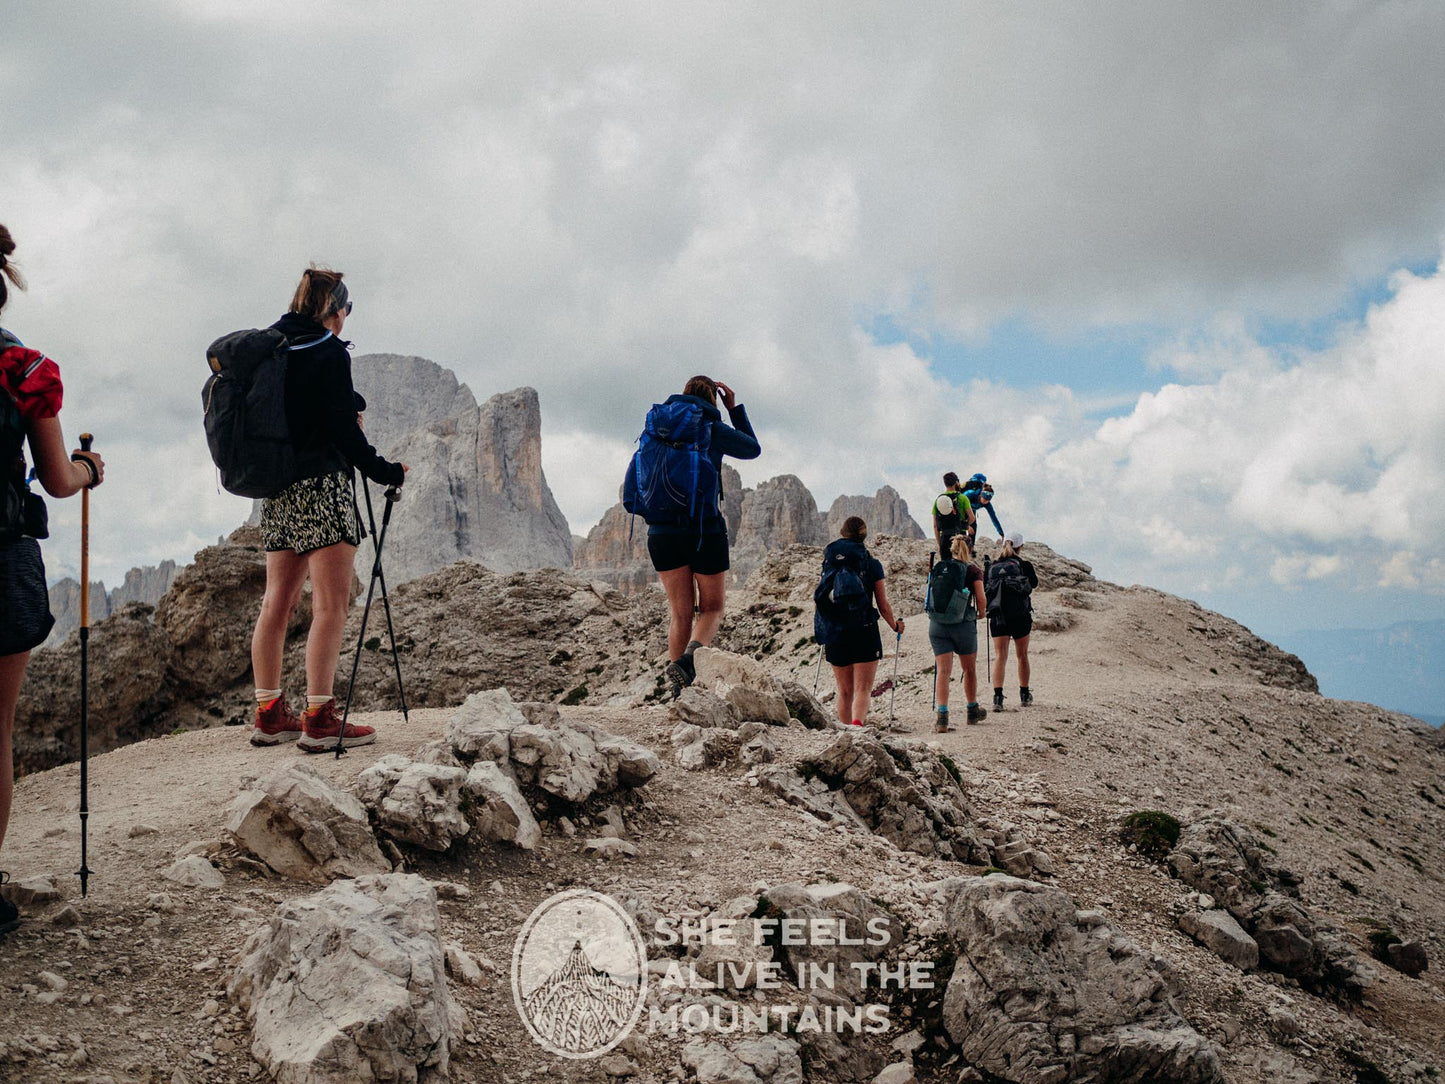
(25, 598)
(706, 555)
(1014, 626)
(863, 644)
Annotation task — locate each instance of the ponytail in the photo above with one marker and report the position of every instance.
(320, 294)
(7, 269)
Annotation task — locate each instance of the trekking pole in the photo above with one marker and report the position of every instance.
(893, 688)
(818, 673)
(391, 495)
(84, 872)
(987, 639)
(385, 601)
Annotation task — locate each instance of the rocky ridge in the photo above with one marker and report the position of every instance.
(145, 585)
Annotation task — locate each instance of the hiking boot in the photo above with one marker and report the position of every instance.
(9, 913)
(677, 679)
(977, 713)
(940, 723)
(275, 723)
(1025, 697)
(689, 668)
(322, 730)
(998, 700)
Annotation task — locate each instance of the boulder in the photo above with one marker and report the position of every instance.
(1222, 935)
(350, 984)
(702, 709)
(1408, 956)
(1038, 996)
(480, 727)
(805, 707)
(757, 744)
(414, 802)
(194, 871)
(499, 811)
(770, 1059)
(304, 827)
(697, 748)
(733, 954)
(858, 931)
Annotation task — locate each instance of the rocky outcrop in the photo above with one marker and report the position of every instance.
(475, 490)
(1042, 993)
(146, 584)
(405, 393)
(1228, 862)
(350, 984)
(304, 827)
(885, 513)
(777, 514)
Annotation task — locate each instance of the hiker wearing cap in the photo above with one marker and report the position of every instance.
(854, 653)
(980, 495)
(1009, 583)
(30, 397)
(689, 547)
(953, 629)
(311, 528)
(952, 515)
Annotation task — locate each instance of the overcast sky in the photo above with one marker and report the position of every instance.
(1168, 273)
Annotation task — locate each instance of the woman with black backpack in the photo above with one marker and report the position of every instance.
(30, 394)
(855, 651)
(953, 628)
(1011, 579)
(311, 528)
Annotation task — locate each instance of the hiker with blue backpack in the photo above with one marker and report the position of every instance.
(30, 398)
(674, 482)
(955, 603)
(1008, 584)
(310, 523)
(850, 597)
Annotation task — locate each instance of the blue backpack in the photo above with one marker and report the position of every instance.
(671, 479)
(842, 598)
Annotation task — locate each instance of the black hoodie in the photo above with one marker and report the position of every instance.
(322, 405)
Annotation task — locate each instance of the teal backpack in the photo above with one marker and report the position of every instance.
(948, 600)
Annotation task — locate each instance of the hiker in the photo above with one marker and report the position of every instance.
(980, 495)
(952, 515)
(953, 628)
(1010, 580)
(312, 526)
(854, 652)
(30, 394)
(689, 549)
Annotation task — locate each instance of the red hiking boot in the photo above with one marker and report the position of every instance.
(275, 723)
(322, 730)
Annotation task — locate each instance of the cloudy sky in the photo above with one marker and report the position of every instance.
(1168, 273)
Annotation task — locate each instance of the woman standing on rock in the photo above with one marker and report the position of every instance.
(854, 651)
(30, 394)
(690, 553)
(312, 528)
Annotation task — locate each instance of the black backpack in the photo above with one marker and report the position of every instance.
(842, 597)
(245, 411)
(948, 600)
(1007, 587)
(22, 513)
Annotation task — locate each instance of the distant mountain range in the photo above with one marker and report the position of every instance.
(1401, 667)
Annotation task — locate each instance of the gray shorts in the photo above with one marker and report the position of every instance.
(957, 638)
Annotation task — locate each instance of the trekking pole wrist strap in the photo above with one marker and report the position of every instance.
(77, 457)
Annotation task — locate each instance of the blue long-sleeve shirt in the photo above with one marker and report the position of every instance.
(976, 499)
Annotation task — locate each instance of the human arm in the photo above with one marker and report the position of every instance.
(880, 595)
(1028, 567)
(58, 473)
(997, 526)
(341, 423)
(738, 439)
(980, 603)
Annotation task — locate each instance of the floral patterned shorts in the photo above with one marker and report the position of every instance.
(312, 513)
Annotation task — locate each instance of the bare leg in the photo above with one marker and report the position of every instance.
(331, 573)
(677, 582)
(12, 673)
(970, 676)
(711, 594)
(941, 681)
(1022, 644)
(1000, 656)
(843, 675)
(863, 675)
(285, 576)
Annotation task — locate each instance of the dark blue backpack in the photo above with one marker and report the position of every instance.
(842, 598)
(671, 478)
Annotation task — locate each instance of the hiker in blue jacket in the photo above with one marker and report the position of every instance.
(980, 495)
(691, 559)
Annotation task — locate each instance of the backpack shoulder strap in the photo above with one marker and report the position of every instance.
(292, 347)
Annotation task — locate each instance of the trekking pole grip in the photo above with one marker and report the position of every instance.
(85, 441)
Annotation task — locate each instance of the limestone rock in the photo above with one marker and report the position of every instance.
(885, 513)
(805, 707)
(405, 393)
(475, 490)
(499, 811)
(304, 827)
(194, 871)
(1039, 998)
(615, 552)
(775, 515)
(733, 954)
(416, 803)
(702, 709)
(350, 984)
(1409, 957)
(1222, 935)
(860, 931)
(31, 891)
(744, 683)
(609, 847)
(480, 728)
(757, 746)
(697, 748)
(770, 1059)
